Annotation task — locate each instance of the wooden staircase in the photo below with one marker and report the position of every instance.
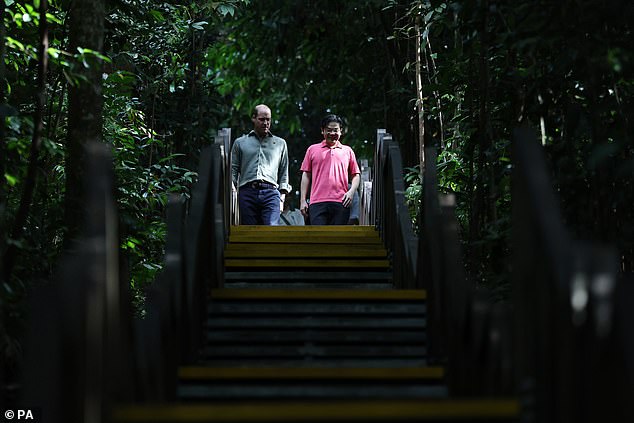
(308, 328)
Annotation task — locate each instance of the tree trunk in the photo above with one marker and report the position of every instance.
(85, 104)
(419, 101)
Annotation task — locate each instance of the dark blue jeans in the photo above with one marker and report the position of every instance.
(328, 213)
(259, 206)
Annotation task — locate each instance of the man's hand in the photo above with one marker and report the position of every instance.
(282, 200)
(303, 207)
(347, 199)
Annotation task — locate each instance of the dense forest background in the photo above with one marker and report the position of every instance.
(155, 80)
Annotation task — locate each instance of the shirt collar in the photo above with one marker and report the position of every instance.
(252, 133)
(337, 144)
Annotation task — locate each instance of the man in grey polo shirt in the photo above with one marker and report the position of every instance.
(259, 167)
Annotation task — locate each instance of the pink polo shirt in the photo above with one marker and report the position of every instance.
(330, 169)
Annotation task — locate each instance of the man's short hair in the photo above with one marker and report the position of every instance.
(254, 112)
(331, 118)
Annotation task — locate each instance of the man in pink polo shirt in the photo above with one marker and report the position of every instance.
(326, 170)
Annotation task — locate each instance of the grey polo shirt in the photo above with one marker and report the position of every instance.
(254, 159)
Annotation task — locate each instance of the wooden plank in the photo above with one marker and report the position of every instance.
(303, 307)
(309, 276)
(301, 335)
(303, 229)
(304, 411)
(288, 263)
(319, 294)
(306, 238)
(330, 284)
(320, 362)
(303, 250)
(306, 263)
(320, 389)
(313, 351)
(316, 322)
(195, 373)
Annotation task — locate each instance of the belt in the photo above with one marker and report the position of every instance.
(261, 185)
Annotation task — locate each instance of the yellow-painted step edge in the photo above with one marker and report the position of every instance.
(296, 412)
(318, 294)
(193, 373)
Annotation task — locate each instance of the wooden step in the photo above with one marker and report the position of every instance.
(306, 234)
(217, 384)
(353, 238)
(302, 229)
(320, 294)
(301, 276)
(301, 250)
(312, 351)
(302, 263)
(317, 362)
(472, 410)
(304, 307)
(335, 327)
(302, 390)
(198, 373)
(310, 238)
(347, 249)
(301, 279)
(340, 336)
(323, 285)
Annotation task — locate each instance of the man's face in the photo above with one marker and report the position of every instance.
(262, 121)
(331, 133)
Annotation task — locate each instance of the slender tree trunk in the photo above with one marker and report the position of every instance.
(433, 78)
(31, 177)
(419, 100)
(85, 104)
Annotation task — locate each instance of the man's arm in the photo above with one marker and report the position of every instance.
(304, 187)
(282, 177)
(235, 164)
(282, 172)
(347, 197)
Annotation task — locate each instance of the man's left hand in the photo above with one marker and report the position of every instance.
(347, 199)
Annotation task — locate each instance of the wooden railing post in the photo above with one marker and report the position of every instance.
(430, 275)
(542, 256)
(230, 195)
(389, 211)
(564, 297)
(78, 349)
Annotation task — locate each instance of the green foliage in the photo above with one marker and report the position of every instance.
(174, 72)
(488, 67)
(413, 195)
(306, 59)
(157, 116)
(159, 109)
